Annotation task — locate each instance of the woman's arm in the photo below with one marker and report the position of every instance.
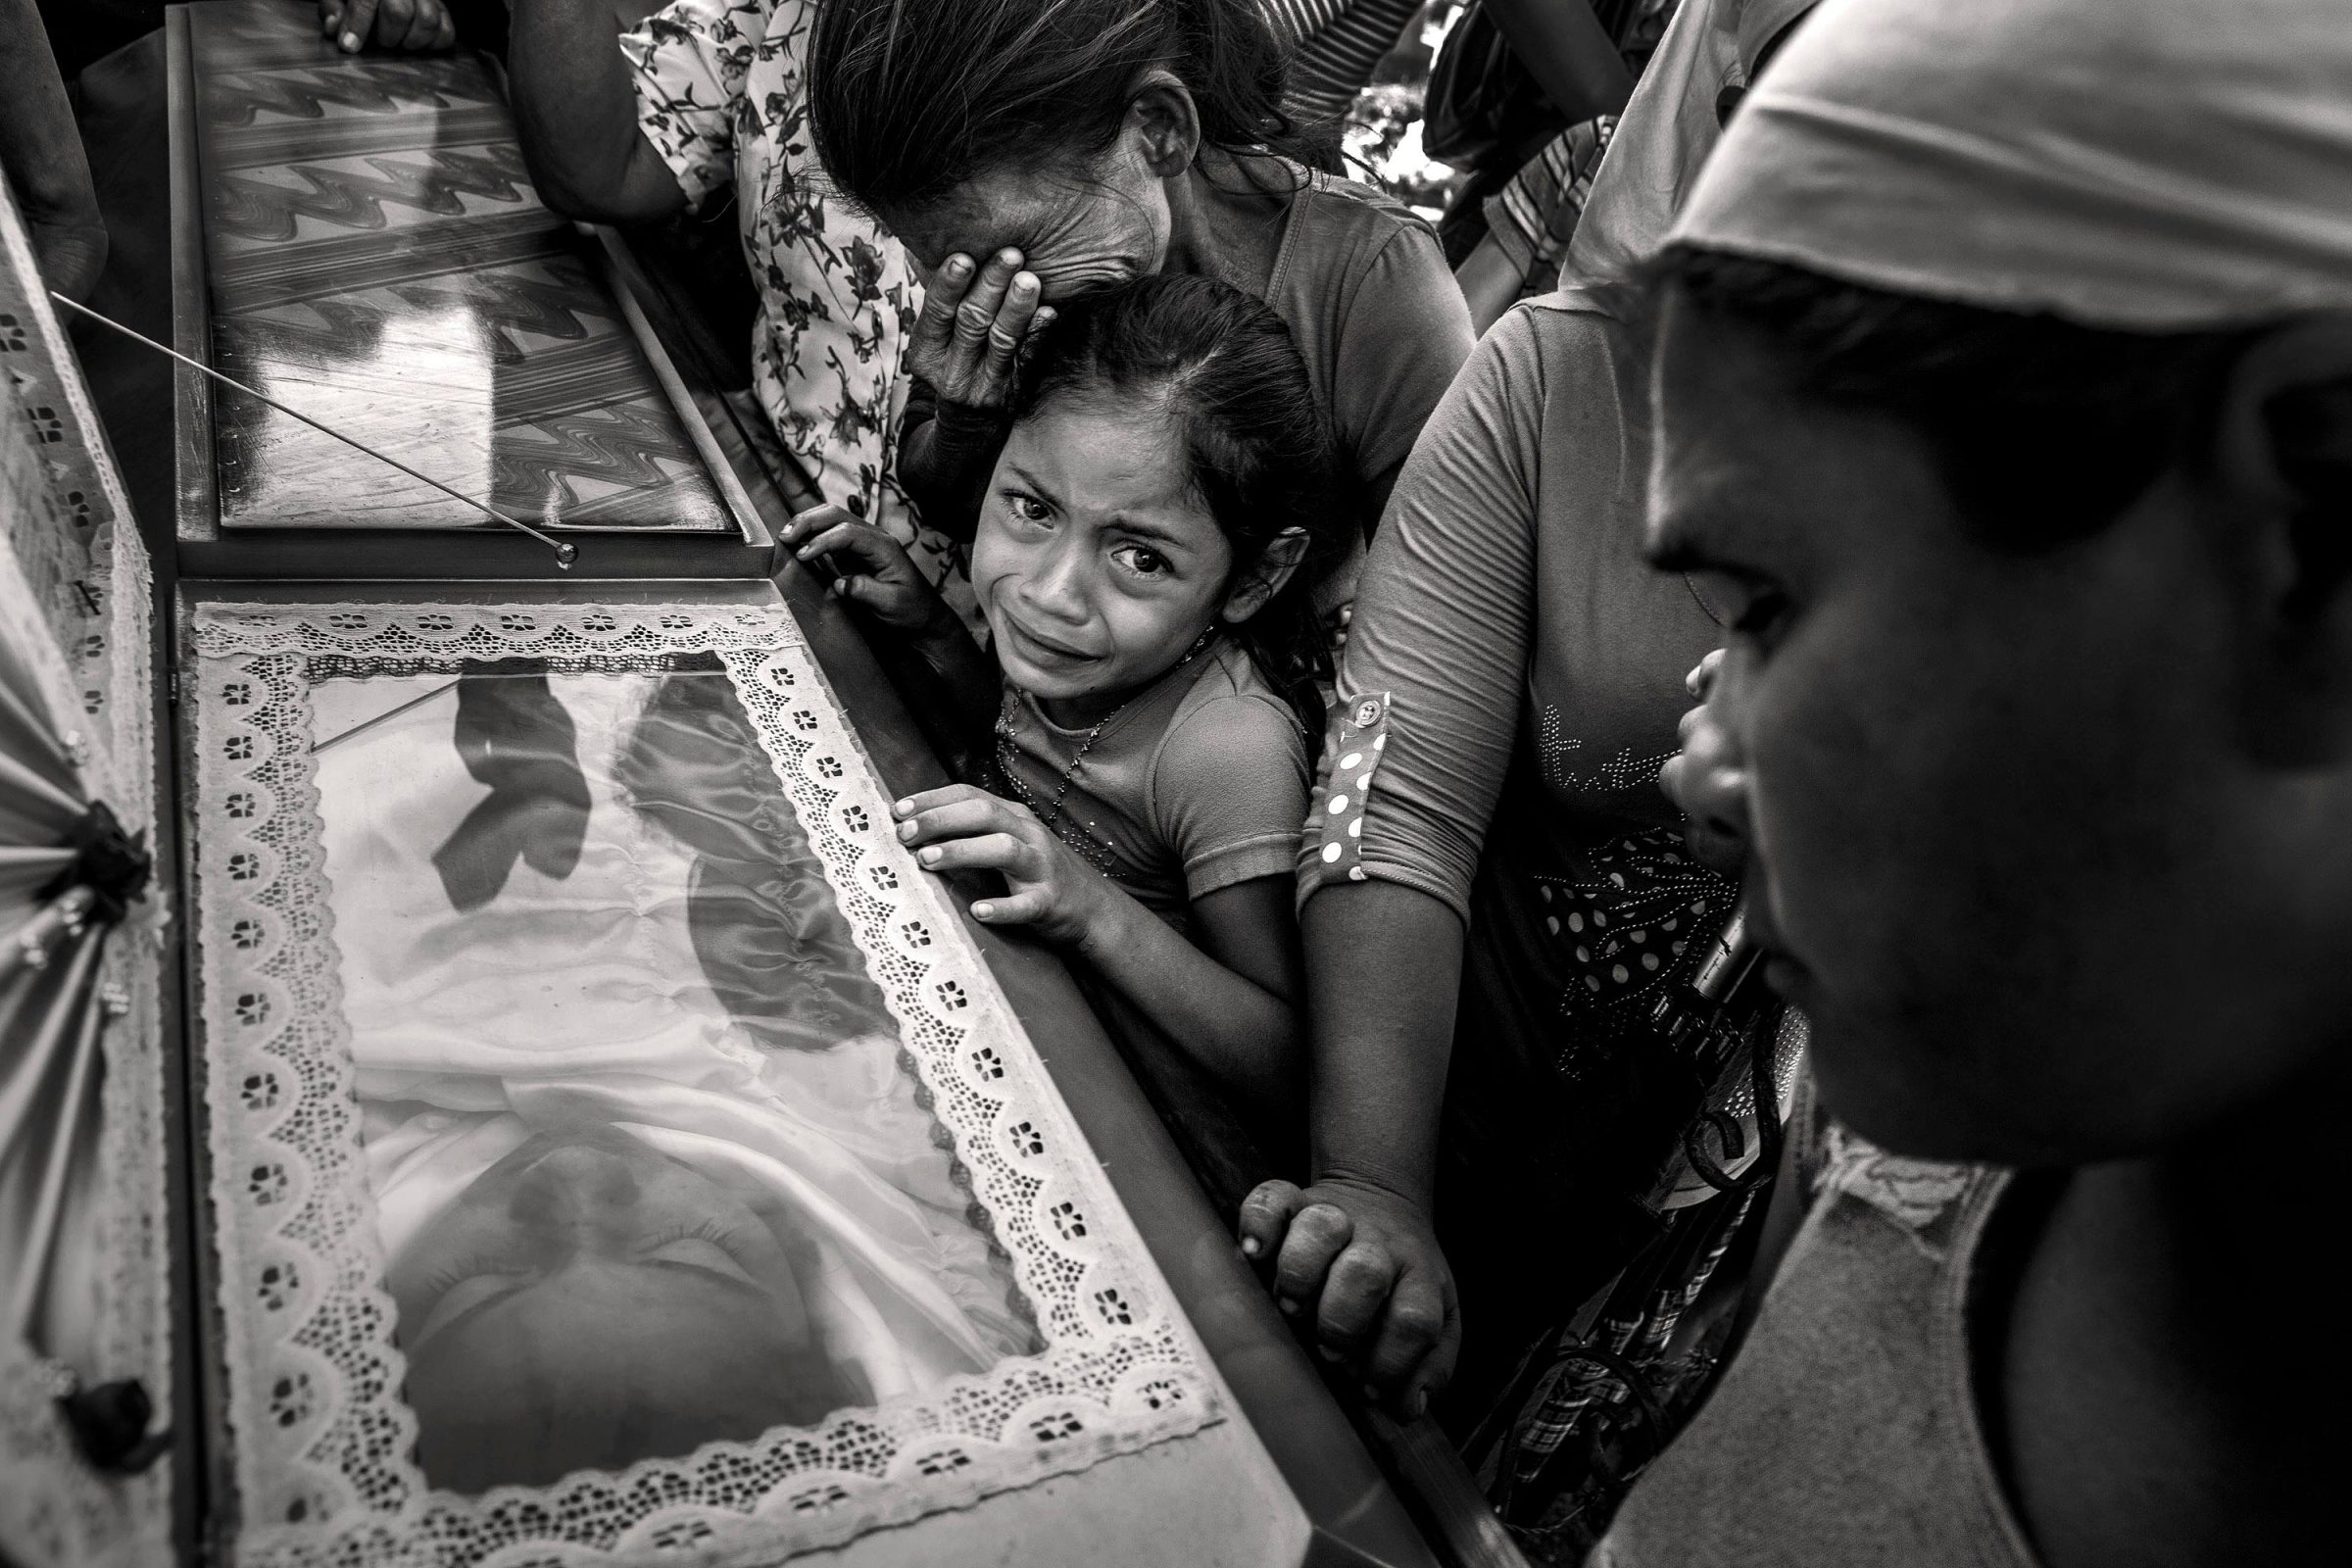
(1356, 1248)
(946, 454)
(961, 356)
(1434, 674)
(1490, 280)
(576, 107)
(1565, 49)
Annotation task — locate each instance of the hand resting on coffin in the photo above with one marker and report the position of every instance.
(1226, 1002)
(405, 25)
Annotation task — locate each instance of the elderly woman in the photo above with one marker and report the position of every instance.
(1030, 152)
(1495, 895)
(2005, 397)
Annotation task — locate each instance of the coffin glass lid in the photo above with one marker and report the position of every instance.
(603, 1109)
(376, 256)
(646, 1170)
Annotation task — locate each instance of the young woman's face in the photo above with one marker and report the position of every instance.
(1996, 830)
(1095, 566)
(1080, 231)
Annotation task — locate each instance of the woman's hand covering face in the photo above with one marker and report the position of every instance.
(969, 338)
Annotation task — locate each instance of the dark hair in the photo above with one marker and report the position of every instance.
(2044, 431)
(908, 99)
(1254, 442)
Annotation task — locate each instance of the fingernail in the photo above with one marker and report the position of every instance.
(905, 830)
(1009, 257)
(958, 266)
(902, 807)
(1249, 1246)
(929, 854)
(1416, 1406)
(1329, 1354)
(1290, 1309)
(351, 42)
(983, 910)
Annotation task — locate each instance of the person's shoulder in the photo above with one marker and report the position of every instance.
(1350, 223)
(1606, 312)
(1231, 717)
(1573, 330)
(1231, 685)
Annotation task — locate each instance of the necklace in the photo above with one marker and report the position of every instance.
(1095, 851)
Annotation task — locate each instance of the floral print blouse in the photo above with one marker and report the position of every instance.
(719, 95)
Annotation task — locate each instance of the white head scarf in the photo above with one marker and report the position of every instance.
(1669, 127)
(2153, 165)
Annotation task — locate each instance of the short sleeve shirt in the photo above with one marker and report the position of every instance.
(1200, 783)
(1363, 286)
(720, 97)
(1508, 613)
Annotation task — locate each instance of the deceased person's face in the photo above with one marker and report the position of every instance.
(589, 1302)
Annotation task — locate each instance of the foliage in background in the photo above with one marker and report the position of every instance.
(1382, 137)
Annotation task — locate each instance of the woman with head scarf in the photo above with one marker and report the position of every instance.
(2005, 397)
(1493, 884)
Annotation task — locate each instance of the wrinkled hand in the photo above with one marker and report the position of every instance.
(969, 338)
(869, 568)
(405, 24)
(961, 828)
(1365, 1262)
(1707, 780)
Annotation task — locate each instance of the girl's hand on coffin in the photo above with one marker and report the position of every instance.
(973, 330)
(411, 24)
(867, 567)
(961, 828)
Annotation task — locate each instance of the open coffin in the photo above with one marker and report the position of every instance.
(615, 1139)
(601, 1144)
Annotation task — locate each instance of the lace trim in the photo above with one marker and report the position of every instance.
(321, 1441)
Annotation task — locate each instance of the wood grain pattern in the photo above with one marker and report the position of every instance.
(374, 256)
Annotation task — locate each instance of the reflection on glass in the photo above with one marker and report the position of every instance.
(648, 1171)
(416, 385)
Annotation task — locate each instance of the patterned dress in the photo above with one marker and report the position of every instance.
(720, 96)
